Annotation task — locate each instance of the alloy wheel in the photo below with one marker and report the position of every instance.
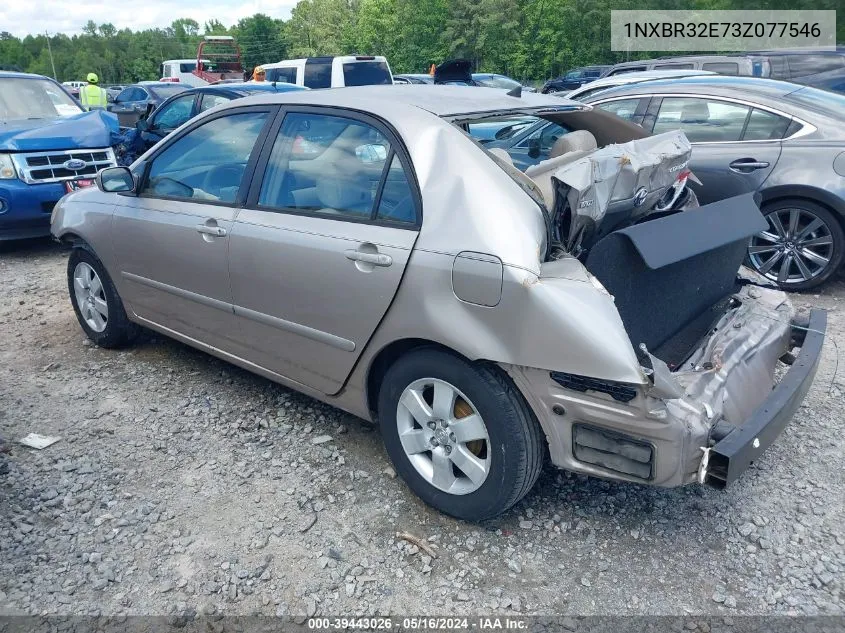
(443, 436)
(90, 297)
(797, 247)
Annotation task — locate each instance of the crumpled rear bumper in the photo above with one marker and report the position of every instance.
(704, 422)
(741, 445)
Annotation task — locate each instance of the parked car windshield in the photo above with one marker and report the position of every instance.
(34, 99)
(830, 103)
(366, 74)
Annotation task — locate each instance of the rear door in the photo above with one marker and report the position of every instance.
(172, 240)
(319, 252)
(735, 145)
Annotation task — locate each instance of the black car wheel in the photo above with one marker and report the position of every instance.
(803, 246)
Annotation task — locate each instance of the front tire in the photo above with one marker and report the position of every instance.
(459, 434)
(802, 247)
(96, 303)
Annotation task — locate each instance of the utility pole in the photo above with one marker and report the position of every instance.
(50, 50)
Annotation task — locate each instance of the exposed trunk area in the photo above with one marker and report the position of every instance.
(672, 277)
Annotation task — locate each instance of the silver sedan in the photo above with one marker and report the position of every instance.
(359, 246)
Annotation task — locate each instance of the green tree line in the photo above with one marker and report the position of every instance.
(527, 39)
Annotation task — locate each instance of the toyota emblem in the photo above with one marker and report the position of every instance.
(640, 196)
(75, 164)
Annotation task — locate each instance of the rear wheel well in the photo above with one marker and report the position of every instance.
(389, 355)
(803, 194)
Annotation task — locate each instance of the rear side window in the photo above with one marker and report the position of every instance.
(356, 175)
(702, 120)
(318, 73)
(630, 69)
(283, 75)
(366, 74)
(723, 68)
(765, 126)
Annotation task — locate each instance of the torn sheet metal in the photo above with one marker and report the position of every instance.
(618, 185)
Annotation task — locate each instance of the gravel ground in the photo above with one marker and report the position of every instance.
(183, 485)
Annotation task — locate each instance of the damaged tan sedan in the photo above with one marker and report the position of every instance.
(359, 246)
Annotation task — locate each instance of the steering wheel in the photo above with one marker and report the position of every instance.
(221, 176)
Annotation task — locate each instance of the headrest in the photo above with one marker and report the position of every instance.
(695, 111)
(577, 141)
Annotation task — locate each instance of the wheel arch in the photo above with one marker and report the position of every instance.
(388, 355)
(827, 199)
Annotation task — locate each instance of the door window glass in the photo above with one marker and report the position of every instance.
(723, 68)
(318, 73)
(210, 101)
(174, 113)
(687, 66)
(124, 95)
(764, 126)
(334, 166)
(208, 163)
(702, 120)
(623, 108)
(801, 65)
(282, 75)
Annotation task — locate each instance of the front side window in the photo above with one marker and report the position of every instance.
(207, 163)
(623, 108)
(175, 113)
(337, 167)
(702, 120)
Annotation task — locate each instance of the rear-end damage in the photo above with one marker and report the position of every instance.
(708, 342)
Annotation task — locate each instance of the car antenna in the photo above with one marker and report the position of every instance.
(516, 92)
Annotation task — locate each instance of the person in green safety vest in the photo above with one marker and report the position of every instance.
(92, 97)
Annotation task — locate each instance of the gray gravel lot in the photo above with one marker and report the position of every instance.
(185, 485)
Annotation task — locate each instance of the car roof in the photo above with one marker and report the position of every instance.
(441, 100)
(645, 75)
(16, 75)
(721, 85)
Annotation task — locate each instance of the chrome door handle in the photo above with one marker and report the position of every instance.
(376, 259)
(216, 231)
(747, 163)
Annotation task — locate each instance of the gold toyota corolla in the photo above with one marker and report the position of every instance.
(359, 246)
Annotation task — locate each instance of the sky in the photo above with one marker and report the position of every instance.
(23, 17)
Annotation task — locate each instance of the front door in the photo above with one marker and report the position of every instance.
(735, 146)
(319, 253)
(172, 240)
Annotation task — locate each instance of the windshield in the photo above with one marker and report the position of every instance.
(830, 103)
(24, 98)
(366, 74)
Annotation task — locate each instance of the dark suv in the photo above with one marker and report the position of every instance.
(804, 66)
(574, 79)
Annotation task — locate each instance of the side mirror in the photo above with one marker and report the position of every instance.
(371, 153)
(534, 147)
(115, 180)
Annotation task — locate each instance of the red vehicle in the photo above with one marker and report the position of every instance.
(218, 57)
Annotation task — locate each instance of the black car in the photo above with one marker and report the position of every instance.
(138, 100)
(184, 106)
(574, 79)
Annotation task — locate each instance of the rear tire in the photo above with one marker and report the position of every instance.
(494, 435)
(802, 247)
(96, 303)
